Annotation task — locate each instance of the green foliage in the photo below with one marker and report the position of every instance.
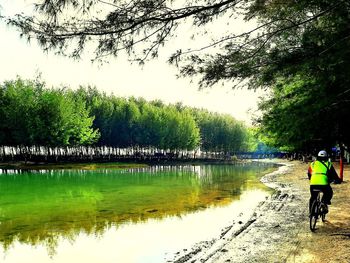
(258, 142)
(221, 132)
(302, 114)
(33, 115)
(17, 105)
(135, 122)
(306, 65)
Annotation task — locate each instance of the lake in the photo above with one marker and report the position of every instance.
(113, 215)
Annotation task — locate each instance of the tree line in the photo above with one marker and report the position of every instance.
(33, 115)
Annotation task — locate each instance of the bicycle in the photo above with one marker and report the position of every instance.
(318, 210)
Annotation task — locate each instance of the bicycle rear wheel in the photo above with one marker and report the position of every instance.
(323, 213)
(313, 215)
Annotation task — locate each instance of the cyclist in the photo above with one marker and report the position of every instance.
(321, 173)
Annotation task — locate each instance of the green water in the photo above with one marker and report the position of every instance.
(49, 207)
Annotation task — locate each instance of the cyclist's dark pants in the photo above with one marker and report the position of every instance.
(327, 193)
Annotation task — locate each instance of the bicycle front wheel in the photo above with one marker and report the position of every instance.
(323, 216)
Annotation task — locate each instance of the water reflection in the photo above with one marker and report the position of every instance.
(47, 206)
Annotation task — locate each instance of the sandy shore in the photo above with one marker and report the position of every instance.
(278, 229)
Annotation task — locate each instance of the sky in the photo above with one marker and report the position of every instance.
(155, 80)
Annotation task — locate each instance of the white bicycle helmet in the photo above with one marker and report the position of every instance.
(322, 154)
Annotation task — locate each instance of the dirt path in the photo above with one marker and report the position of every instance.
(278, 230)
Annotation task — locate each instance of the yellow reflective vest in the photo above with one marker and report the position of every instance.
(318, 172)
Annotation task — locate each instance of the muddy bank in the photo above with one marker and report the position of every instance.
(277, 230)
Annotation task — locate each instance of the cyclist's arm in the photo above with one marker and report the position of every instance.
(309, 172)
(333, 176)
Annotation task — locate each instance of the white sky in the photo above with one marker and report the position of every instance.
(156, 80)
